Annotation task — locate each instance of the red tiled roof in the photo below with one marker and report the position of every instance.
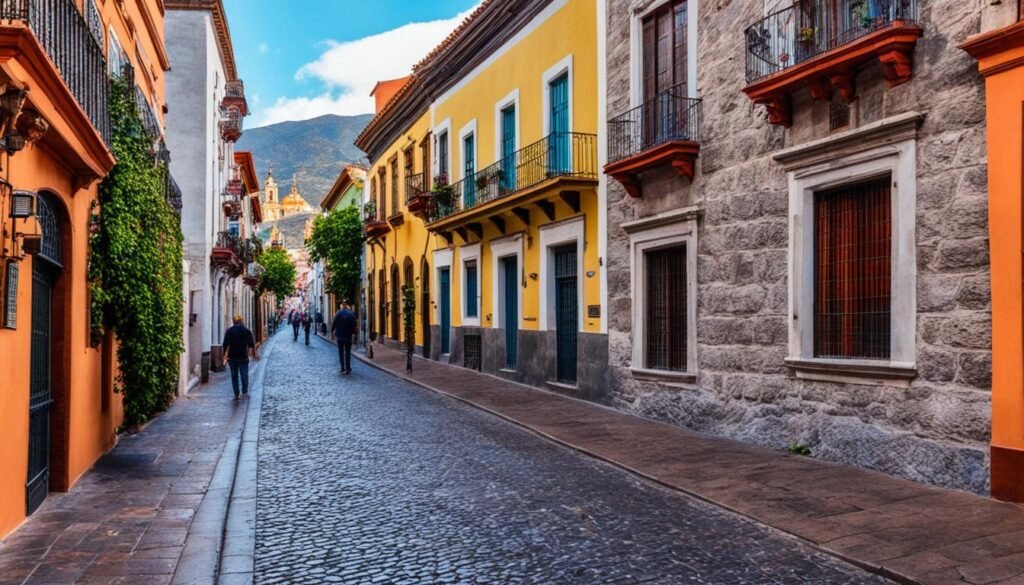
(431, 56)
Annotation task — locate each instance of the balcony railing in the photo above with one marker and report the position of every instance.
(559, 155)
(810, 28)
(415, 185)
(227, 243)
(231, 124)
(234, 89)
(670, 116)
(150, 123)
(65, 36)
(172, 193)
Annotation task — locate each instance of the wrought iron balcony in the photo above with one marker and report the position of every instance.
(559, 155)
(417, 196)
(172, 193)
(663, 131)
(65, 36)
(818, 43)
(150, 123)
(231, 124)
(227, 252)
(234, 96)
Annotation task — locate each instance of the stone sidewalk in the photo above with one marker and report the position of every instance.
(907, 531)
(127, 520)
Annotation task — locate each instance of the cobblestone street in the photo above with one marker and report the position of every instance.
(366, 478)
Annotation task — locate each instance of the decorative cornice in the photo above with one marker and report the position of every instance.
(870, 137)
(994, 43)
(220, 24)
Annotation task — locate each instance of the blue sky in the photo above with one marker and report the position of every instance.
(325, 57)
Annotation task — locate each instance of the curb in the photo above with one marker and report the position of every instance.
(869, 567)
(200, 560)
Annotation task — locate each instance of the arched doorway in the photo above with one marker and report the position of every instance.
(48, 382)
(425, 305)
(396, 305)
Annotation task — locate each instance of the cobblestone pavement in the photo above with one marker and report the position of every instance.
(367, 479)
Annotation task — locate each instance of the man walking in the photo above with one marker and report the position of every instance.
(307, 322)
(239, 346)
(296, 320)
(344, 330)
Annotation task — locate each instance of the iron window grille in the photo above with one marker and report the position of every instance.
(666, 309)
(853, 271)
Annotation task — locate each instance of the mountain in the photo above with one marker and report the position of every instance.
(315, 150)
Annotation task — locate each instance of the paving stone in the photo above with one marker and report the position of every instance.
(367, 479)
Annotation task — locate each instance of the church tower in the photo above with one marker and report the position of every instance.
(271, 206)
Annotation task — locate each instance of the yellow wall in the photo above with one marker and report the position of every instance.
(569, 31)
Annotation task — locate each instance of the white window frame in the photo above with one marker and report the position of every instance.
(467, 254)
(442, 259)
(636, 50)
(444, 128)
(554, 235)
(897, 159)
(511, 100)
(553, 73)
(666, 230)
(466, 131)
(507, 247)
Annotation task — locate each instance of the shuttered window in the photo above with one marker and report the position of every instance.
(471, 289)
(664, 49)
(853, 271)
(666, 309)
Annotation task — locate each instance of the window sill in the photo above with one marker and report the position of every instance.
(877, 373)
(664, 377)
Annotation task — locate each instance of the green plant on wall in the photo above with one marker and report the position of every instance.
(409, 322)
(279, 273)
(135, 265)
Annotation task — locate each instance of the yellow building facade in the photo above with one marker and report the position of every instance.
(485, 195)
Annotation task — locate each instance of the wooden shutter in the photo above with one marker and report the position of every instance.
(853, 271)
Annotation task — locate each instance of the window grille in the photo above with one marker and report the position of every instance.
(838, 114)
(852, 276)
(473, 358)
(666, 309)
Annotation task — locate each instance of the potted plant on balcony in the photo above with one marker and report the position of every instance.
(370, 211)
(444, 195)
(805, 46)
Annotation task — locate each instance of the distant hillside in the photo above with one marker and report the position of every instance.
(316, 150)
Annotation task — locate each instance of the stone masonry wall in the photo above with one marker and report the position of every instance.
(935, 431)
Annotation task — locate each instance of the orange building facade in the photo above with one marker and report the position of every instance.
(59, 412)
(1000, 54)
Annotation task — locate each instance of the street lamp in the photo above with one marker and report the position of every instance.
(23, 203)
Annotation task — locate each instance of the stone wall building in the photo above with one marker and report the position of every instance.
(801, 256)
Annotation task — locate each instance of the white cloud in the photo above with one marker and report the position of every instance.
(264, 48)
(348, 71)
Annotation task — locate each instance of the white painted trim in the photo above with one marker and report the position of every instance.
(468, 254)
(899, 160)
(512, 99)
(554, 72)
(442, 259)
(501, 249)
(553, 235)
(636, 50)
(663, 235)
(445, 127)
(535, 23)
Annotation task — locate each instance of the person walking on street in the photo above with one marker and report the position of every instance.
(307, 322)
(295, 319)
(238, 347)
(344, 330)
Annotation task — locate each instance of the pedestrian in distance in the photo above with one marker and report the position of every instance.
(295, 319)
(307, 322)
(344, 330)
(238, 347)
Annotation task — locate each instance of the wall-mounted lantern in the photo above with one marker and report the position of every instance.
(23, 203)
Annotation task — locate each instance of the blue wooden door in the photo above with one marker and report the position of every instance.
(445, 298)
(567, 312)
(508, 149)
(558, 141)
(511, 311)
(469, 174)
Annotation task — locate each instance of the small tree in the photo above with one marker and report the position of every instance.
(278, 273)
(409, 321)
(337, 240)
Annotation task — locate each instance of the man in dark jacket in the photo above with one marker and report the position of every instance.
(239, 346)
(344, 330)
(296, 321)
(307, 322)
